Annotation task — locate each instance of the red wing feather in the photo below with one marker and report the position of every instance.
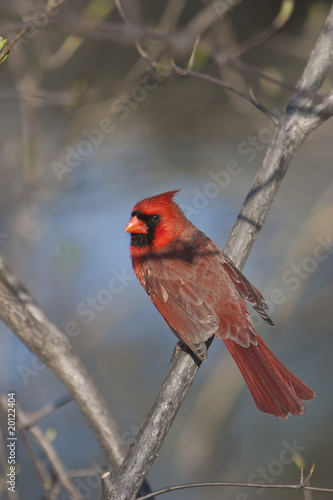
(201, 297)
(248, 291)
(189, 317)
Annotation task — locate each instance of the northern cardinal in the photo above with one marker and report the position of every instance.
(200, 293)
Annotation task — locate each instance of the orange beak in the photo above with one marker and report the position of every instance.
(136, 225)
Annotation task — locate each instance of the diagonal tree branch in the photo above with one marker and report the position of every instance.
(26, 319)
(21, 313)
(305, 112)
(302, 115)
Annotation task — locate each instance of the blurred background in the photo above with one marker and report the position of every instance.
(88, 129)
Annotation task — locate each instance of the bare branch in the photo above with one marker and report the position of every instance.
(283, 16)
(302, 485)
(106, 486)
(177, 43)
(231, 88)
(213, 12)
(43, 412)
(130, 27)
(58, 468)
(301, 117)
(50, 7)
(42, 475)
(222, 58)
(25, 318)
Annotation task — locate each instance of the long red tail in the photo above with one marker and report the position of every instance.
(275, 389)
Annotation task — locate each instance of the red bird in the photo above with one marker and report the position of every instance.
(200, 293)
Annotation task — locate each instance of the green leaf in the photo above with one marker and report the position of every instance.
(3, 42)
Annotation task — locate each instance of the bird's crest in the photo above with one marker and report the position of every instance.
(159, 200)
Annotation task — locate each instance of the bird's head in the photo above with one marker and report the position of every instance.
(155, 222)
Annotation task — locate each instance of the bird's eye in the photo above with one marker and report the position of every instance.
(156, 218)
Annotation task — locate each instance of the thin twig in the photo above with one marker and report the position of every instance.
(50, 7)
(222, 58)
(177, 43)
(231, 88)
(283, 16)
(41, 475)
(46, 410)
(131, 29)
(188, 69)
(55, 463)
(302, 485)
